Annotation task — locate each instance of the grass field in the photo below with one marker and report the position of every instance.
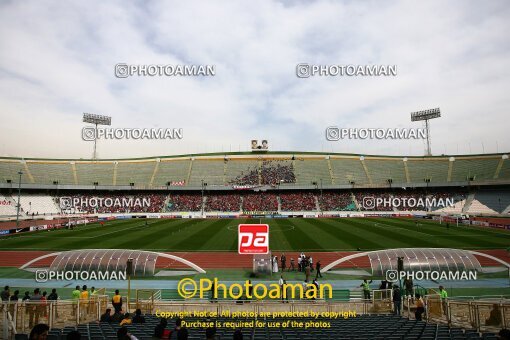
(293, 234)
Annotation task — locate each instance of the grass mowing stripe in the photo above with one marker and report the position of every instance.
(328, 237)
(153, 233)
(350, 234)
(297, 238)
(196, 240)
(394, 236)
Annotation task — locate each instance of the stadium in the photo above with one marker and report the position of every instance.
(262, 170)
(177, 217)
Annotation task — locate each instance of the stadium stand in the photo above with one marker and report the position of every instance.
(359, 327)
(263, 201)
(238, 169)
(312, 170)
(9, 169)
(89, 173)
(421, 169)
(175, 171)
(270, 169)
(477, 169)
(184, 202)
(298, 201)
(381, 170)
(138, 173)
(348, 171)
(48, 173)
(39, 204)
(211, 171)
(336, 201)
(478, 208)
(277, 172)
(496, 200)
(223, 202)
(7, 206)
(115, 202)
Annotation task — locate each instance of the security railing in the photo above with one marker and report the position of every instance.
(482, 313)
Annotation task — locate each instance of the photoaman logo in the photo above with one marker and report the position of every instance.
(189, 288)
(433, 275)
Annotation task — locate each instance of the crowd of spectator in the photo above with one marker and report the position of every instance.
(298, 201)
(272, 172)
(260, 201)
(336, 201)
(277, 172)
(184, 202)
(223, 202)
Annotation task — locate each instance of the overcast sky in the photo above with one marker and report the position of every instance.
(57, 61)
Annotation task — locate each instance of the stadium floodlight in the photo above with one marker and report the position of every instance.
(96, 120)
(426, 115)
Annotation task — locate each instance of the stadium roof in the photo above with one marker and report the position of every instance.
(420, 259)
(256, 154)
(107, 260)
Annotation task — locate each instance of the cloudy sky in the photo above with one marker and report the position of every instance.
(57, 61)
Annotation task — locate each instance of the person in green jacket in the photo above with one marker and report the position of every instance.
(366, 289)
(444, 295)
(75, 295)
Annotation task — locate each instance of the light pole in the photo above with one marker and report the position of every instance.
(19, 197)
(96, 120)
(426, 115)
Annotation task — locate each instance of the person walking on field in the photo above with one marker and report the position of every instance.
(318, 269)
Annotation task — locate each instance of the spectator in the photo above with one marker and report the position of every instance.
(283, 261)
(420, 308)
(138, 318)
(126, 320)
(75, 295)
(366, 289)
(182, 331)
(494, 316)
(5, 294)
(117, 317)
(238, 334)
(210, 332)
(444, 296)
(106, 317)
(84, 300)
(160, 331)
(39, 332)
(117, 302)
(34, 309)
(408, 284)
(26, 296)
(397, 300)
(504, 334)
(73, 335)
(13, 300)
(53, 295)
(123, 334)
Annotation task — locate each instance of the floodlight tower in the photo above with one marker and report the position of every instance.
(96, 120)
(426, 115)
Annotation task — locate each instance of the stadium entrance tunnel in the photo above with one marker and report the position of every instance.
(420, 259)
(113, 261)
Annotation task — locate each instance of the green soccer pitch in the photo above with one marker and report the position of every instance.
(287, 234)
